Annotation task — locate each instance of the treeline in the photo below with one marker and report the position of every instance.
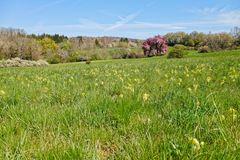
(210, 41)
(59, 48)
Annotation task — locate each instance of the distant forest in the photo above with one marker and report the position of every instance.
(59, 48)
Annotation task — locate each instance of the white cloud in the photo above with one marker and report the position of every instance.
(206, 19)
(47, 5)
(221, 16)
(123, 21)
(230, 17)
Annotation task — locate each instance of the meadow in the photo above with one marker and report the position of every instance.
(148, 108)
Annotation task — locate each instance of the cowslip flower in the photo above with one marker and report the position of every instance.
(209, 79)
(195, 143)
(45, 90)
(222, 118)
(2, 93)
(232, 110)
(233, 113)
(198, 104)
(189, 89)
(145, 97)
(195, 86)
(121, 95)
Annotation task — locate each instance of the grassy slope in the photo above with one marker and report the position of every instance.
(122, 109)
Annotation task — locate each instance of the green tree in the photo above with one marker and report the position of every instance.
(48, 45)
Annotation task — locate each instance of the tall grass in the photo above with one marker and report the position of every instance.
(123, 109)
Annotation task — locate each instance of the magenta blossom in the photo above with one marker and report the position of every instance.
(155, 46)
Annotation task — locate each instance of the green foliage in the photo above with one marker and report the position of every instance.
(217, 41)
(97, 43)
(53, 59)
(48, 44)
(88, 62)
(65, 45)
(124, 40)
(180, 47)
(56, 37)
(175, 38)
(175, 53)
(16, 43)
(178, 51)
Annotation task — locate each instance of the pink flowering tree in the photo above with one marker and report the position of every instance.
(155, 46)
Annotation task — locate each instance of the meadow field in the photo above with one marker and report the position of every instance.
(148, 108)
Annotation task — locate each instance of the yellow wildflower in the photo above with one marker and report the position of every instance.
(121, 95)
(2, 93)
(232, 110)
(222, 82)
(45, 90)
(222, 117)
(145, 97)
(195, 143)
(209, 79)
(190, 90)
(233, 113)
(180, 80)
(198, 104)
(195, 86)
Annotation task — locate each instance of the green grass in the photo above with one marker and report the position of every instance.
(150, 108)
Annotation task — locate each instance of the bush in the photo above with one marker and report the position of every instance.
(135, 55)
(118, 53)
(95, 56)
(17, 62)
(83, 58)
(203, 49)
(155, 46)
(180, 46)
(176, 53)
(78, 58)
(88, 62)
(53, 59)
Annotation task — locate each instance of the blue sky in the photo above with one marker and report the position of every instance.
(128, 18)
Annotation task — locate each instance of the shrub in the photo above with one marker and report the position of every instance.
(155, 46)
(180, 46)
(53, 59)
(88, 62)
(134, 55)
(83, 58)
(17, 62)
(95, 56)
(176, 53)
(118, 53)
(203, 49)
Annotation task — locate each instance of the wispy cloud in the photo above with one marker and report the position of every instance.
(223, 16)
(148, 25)
(208, 11)
(230, 17)
(206, 19)
(151, 3)
(123, 21)
(47, 5)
